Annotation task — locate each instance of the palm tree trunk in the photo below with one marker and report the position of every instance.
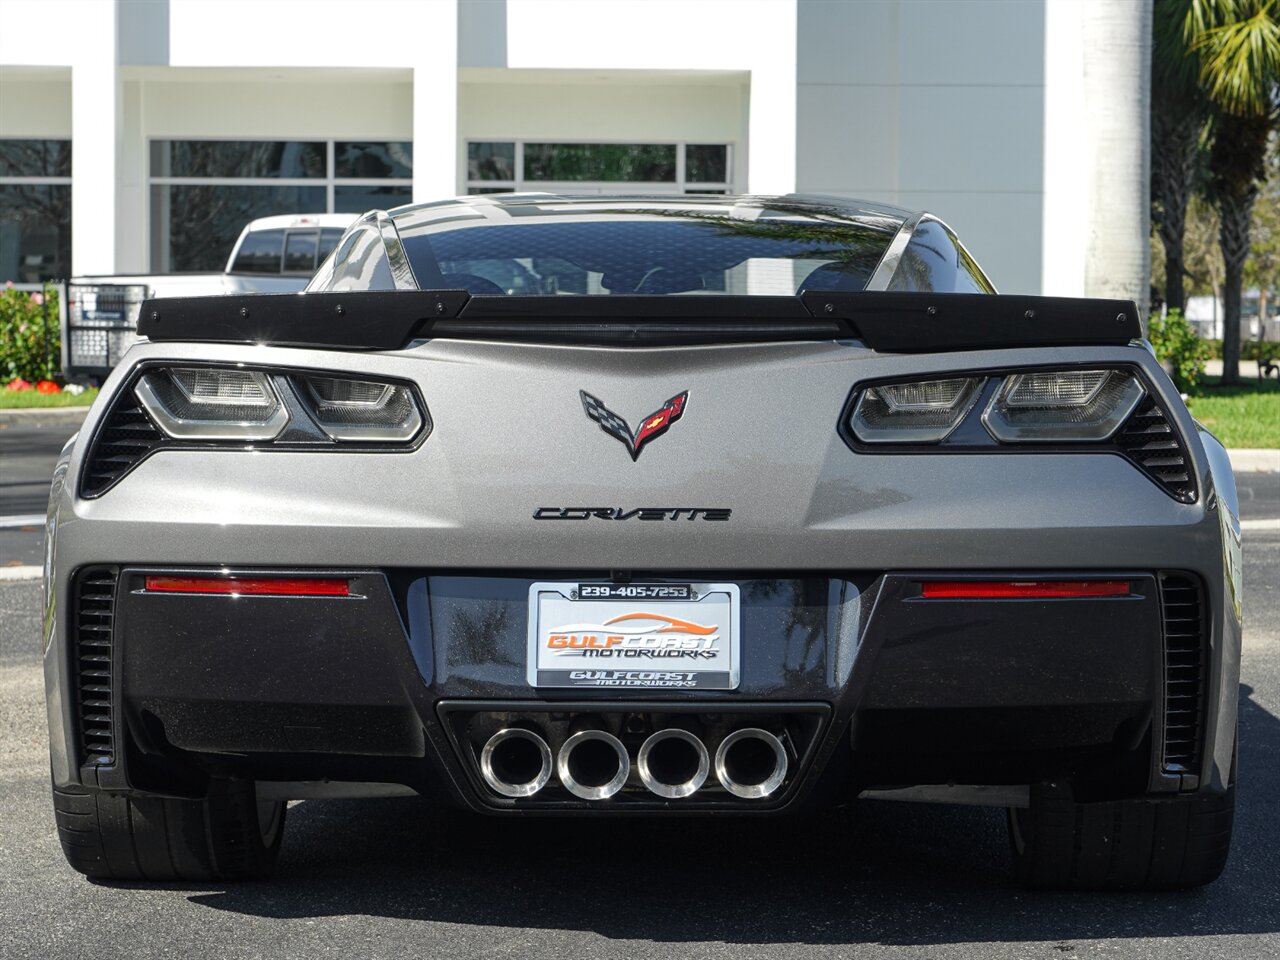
(1174, 145)
(1117, 99)
(1237, 161)
(1233, 236)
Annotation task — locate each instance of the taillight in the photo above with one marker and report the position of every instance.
(1070, 406)
(234, 407)
(349, 409)
(236, 404)
(1098, 410)
(212, 403)
(924, 411)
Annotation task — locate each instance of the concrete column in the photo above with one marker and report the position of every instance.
(435, 103)
(95, 139)
(131, 184)
(1065, 227)
(143, 40)
(771, 134)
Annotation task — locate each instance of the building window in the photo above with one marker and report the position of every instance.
(203, 192)
(35, 210)
(498, 166)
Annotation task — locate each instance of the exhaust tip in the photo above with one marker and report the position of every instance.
(593, 765)
(751, 763)
(516, 762)
(673, 763)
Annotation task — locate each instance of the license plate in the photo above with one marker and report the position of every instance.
(634, 636)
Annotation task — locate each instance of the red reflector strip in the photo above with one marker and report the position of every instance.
(1022, 589)
(256, 586)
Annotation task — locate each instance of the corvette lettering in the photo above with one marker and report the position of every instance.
(636, 513)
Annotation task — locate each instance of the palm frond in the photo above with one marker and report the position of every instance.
(1239, 49)
(1175, 67)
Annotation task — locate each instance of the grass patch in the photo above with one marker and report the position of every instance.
(22, 399)
(1240, 416)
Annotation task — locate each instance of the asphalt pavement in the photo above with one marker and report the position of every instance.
(401, 878)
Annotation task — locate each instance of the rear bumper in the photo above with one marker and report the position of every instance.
(901, 690)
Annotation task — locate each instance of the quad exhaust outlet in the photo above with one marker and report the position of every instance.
(673, 763)
(516, 762)
(593, 765)
(595, 760)
(751, 763)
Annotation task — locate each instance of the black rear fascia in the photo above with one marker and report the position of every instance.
(183, 654)
(891, 322)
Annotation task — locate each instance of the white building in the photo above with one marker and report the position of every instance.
(139, 135)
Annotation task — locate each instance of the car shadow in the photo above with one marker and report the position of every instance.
(899, 874)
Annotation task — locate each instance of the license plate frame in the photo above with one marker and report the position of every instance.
(667, 642)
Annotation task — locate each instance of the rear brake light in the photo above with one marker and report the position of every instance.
(349, 409)
(211, 403)
(925, 411)
(1062, 406)
(1021, 589)
(252, 586)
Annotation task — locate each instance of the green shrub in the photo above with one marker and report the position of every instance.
(1179, 348)
(29, 336)
(1260, 350)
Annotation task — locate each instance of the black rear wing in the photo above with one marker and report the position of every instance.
(891, 322)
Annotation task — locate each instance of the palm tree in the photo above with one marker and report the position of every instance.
(1238, 46)
(1117, 89)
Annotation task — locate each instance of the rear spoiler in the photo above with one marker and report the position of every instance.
(892, 322)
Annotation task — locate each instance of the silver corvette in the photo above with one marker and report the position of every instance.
(663, 506)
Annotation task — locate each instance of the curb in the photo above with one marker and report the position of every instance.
(34, 416)
(19, 520)
(1255, 461)
(1266, 524)
(27, 572)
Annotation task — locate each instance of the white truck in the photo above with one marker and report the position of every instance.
(272, 255)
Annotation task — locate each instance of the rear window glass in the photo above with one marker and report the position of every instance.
(260, 252)
(300, 251)
(935, 262)
(643, 252)
(329, 238)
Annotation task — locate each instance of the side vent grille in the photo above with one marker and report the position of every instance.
(123, 440)
(94, 609)
(1151, 442)
(1182, 611)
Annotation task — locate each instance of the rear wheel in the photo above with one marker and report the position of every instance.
(1059, 844)
(229, 835)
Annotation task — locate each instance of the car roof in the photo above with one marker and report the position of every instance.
(299, 220)
(510, 207)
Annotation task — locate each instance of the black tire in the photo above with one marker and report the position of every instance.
(1058, 844)
(226, 836)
